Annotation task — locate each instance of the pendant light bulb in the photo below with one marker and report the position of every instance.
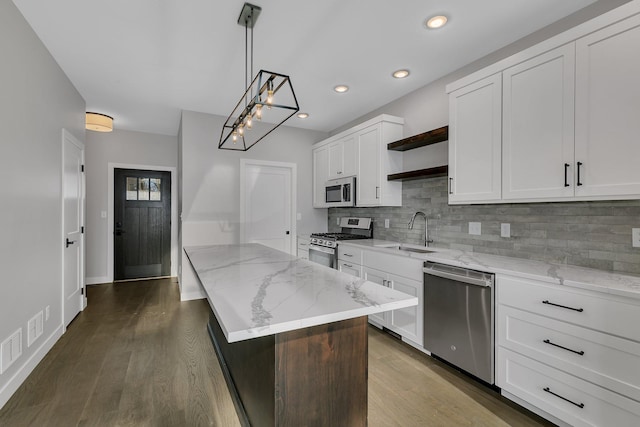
(241, 129)
(259, 112)
(269, 98)
(234, 135)
(249, 121)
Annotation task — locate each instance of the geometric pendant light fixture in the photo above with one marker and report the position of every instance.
(98, 122)
(266, 103)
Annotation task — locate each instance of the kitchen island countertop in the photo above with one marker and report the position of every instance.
(256, 291)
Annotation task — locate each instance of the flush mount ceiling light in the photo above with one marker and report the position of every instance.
(98, 122)
(270, 96)
(303, 115)
(436, 22)
(400, 74)
(341, 88)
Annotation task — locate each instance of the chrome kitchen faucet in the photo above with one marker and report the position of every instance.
(426, 226)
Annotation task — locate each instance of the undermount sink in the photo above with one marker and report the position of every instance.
(416, 250)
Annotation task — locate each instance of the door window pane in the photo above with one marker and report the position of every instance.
(154, 188)
(143, 188)
(132, 188)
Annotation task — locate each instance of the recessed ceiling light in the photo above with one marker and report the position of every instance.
(400, 74)
(341, 88)
(303, 115)
(436, 22)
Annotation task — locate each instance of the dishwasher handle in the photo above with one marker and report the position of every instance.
(484, 280)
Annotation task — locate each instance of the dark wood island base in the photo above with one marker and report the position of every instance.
(315, 376)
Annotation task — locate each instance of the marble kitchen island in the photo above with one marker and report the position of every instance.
(290, 335)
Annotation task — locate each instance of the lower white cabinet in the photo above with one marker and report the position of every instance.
(303, 246)
(573, 353)
(396, 272)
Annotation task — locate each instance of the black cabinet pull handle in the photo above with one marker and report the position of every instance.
(579, 165)
(579, 405)
(348, 265)
(69, 242)
(566, 178)
(563, 306)
(450, 185)
(581, 353)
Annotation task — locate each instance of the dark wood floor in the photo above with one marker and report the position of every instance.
(137, 356)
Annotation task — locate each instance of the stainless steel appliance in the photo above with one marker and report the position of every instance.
(323, 247)
(340, 192)
(459, 318)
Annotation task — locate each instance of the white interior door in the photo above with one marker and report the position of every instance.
(267, 204)
(73, 220)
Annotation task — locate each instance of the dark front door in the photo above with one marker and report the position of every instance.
(142, 228)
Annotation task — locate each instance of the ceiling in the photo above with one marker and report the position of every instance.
(144, 61)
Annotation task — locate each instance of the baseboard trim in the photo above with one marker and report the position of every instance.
(97, 280)
(188, 296)
(19, 377)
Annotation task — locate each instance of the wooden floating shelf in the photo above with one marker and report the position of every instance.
(421, 140)
(418, 174)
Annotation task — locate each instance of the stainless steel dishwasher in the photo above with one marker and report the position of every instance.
(458, 318)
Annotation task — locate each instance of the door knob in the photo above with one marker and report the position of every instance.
(119, 232)
(287, 232)
(69, 242)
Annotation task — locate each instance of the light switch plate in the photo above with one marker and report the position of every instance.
(635, 237)
(299, 216)
(337, 221)
(386, 223)
(103, 214)
(475, 228)
(505, 230)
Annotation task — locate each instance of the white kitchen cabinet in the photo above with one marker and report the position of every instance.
(572, 353)
(342, 157)
(607, 106)
(475, 122)
(408, 322)
(379, 277)
(350, 268)
(320, 175)
(538, 126)
(375, 162)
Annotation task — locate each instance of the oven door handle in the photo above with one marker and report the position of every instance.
(458, 278)
(322, 249)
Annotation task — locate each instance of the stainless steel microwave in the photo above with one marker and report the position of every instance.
(340, 192)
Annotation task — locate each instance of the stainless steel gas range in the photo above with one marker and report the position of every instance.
(323, 247)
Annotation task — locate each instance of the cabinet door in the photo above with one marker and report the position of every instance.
(335, 160)
(368, 179)
(607, 106)
(350, 268)
(537, 126)
(349, 156)
(408, 322)
(320, 175)
(380, 278)
(475, 119)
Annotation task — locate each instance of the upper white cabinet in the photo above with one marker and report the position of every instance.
(342, 157)
(320, 175)
(375, 162)
(361, 152)
(607, 111)
(474, 141)
(567, 114)
(537, 126)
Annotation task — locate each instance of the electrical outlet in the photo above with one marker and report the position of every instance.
(103, 214)
(47, 312)
(386, 223)
(337, 221)
(505, 230)
(298, 216)
(475, 228)
(635, 237)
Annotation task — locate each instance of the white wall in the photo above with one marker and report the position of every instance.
(121, 147)
(37, 100)
(210, 186)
